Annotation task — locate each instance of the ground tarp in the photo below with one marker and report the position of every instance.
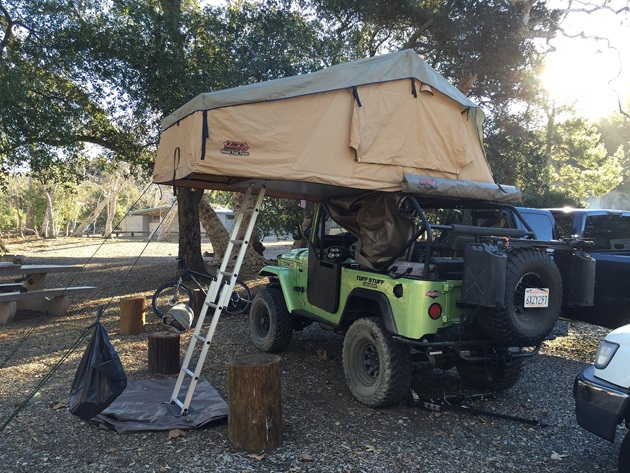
(145, 405)
(356, 126)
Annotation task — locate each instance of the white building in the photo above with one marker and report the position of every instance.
(145, 221)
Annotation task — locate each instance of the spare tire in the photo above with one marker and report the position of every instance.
(515, 323)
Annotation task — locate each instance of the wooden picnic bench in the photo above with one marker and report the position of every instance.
(28, 292)
(12, 287)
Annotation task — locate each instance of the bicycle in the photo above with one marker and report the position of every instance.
(167, 295)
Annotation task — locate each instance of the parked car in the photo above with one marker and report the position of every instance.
(602, 392)
(423, 278)
(609, 230)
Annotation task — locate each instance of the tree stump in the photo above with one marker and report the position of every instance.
(163, 353)
(199, 297)
(254, 402)
(132, 315)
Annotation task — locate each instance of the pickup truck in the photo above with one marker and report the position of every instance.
(610, 232)
(602, 392)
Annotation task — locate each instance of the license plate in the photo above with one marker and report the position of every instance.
(536, 297)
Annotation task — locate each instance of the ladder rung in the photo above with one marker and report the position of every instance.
(211, 304)
(227, 273)
(188, 372)
(201, 338)
(177, 401)
(237, 242)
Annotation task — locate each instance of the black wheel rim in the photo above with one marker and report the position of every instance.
(367, 362)
(240, 299)
(169, 297)
(262, 323)
(529, 280)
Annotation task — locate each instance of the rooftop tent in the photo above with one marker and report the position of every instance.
(350, 128)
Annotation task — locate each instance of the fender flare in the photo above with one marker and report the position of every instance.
(377, 298)
(286, 279)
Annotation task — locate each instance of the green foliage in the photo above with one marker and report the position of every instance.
(279, 217)
(581, 165)
(615, 133)
(552, 198)
(52, 105)
(515, 149)
(487, 48)
(103, 73)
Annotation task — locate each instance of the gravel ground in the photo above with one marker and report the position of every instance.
(325, 429)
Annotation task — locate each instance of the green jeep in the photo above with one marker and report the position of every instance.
(408, 277)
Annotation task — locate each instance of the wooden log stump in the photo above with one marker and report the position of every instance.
(254, 402)
(163, 353)
(132, 315)
(199, 297)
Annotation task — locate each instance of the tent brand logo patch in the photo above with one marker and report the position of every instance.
(235, 148)
(427, 183)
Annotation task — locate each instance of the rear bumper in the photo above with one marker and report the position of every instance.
(599, 406)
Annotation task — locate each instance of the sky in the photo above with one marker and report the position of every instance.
(588, 72)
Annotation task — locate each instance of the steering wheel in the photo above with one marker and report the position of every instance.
(349, 244)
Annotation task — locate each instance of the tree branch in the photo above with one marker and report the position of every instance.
(413, 39)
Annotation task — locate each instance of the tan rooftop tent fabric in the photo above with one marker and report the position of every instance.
(356, 126)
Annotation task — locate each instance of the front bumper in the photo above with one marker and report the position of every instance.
(599, 405)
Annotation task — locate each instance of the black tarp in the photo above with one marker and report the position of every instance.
(145, 405)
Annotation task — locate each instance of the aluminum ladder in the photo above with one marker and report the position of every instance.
(224, 292)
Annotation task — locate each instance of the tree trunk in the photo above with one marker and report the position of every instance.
(254, 259)
(213, 227)
(163, 231)
(111, 204)
(2, 245)
(91, 218)
(48, 228)
(308, 211)
(189, 232)
(255, 243)
(219, 238)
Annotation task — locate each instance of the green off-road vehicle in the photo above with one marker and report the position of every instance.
(411, 276)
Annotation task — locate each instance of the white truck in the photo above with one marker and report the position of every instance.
(602, 392)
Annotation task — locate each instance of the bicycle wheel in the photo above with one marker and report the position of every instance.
(240, 300)
(170, 294)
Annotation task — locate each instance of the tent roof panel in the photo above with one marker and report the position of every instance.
(404, 64)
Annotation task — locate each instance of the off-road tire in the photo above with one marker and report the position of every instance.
(377, 368)
(166, 297)
(624, 455)
(526, 268)
(270, 323)
(491, 376)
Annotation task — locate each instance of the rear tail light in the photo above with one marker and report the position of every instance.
(435, 311)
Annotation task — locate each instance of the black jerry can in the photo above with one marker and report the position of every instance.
(485, 269)
(578, 277)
